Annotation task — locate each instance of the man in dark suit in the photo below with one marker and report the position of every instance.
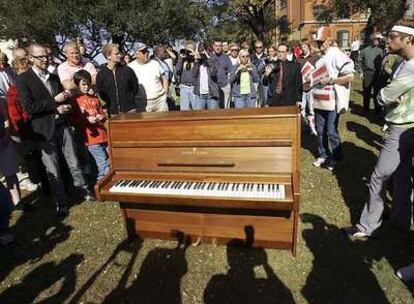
(285, 80)
(45, 102)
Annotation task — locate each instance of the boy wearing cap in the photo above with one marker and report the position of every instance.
(396, 156)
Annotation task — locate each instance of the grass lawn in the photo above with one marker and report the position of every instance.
(86, 258)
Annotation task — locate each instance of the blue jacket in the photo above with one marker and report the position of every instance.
(224, 68)
(235, 81)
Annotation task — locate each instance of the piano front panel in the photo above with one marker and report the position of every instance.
(205, 159)
(204, 130)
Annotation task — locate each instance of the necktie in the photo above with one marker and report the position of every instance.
(279, 84)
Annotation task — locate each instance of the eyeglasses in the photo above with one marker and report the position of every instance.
(234, 50)
(258, 47)
(42, 57)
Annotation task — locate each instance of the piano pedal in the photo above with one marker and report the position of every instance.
(197, 242)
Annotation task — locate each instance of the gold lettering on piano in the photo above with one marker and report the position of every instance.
(194, 151)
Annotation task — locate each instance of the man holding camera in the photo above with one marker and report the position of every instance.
(285, 80)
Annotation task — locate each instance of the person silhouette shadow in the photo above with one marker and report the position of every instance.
(159, 278)
(341, 270)
(241, 284)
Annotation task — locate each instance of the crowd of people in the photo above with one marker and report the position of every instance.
(52, 112)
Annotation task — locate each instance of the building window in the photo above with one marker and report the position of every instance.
(343, 39)
(319, 10)
(283, 3)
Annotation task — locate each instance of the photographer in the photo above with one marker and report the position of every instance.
(183, 69)
(244, 80)
(206, 89)
(285, 80)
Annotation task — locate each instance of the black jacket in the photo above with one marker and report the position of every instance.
(117, 89)
(292, 84)
(39, 104)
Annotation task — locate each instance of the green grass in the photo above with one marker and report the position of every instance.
(85, 259)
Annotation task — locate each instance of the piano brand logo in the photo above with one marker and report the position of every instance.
(194, 151)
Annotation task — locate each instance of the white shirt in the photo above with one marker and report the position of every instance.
(233, 60)
(355, 46)
(44, 77)
(335, 59)
(204, 80)
(149, 77)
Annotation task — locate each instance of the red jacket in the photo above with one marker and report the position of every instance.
(84, 106)
(17, 115)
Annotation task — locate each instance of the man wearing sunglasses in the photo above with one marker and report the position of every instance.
(259, 59)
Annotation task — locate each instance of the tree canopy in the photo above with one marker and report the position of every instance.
(97, 22)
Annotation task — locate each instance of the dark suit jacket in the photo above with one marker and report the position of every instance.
(292, 85)
(39, 104)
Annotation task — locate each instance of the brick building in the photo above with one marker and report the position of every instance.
(301, 16)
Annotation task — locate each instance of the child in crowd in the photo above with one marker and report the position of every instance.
(89, 119)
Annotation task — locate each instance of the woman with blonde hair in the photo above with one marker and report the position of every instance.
(244, 79)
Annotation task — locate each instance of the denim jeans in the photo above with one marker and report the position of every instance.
(244, 101)
(100, 155)
(326, 125)
(186, 97)
(203, 101)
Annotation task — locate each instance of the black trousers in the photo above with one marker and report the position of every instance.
(371, 82)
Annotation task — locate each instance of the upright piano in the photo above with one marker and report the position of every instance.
(210, 175)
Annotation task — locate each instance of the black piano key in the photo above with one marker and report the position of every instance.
(277, 187)
(124, 183)
(118, 182)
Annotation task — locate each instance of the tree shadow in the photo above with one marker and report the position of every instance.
(341, 268)
(353, 176)
(240, 284)
(43, 277)
(159, 278)
(37, 233)
(365, 134)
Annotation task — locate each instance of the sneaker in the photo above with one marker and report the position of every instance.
(62, 211)
(332, 165)
(406, 273)
(28, 185)
(354, 232)
(319, 162)
(6, 239)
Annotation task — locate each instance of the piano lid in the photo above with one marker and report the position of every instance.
(255, 113)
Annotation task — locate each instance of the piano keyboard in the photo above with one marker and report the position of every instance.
(212, 189)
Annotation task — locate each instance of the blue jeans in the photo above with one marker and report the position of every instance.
(327, 125)
(6, 207)
(99, 153)
(244, 101)
(203, 101)
(186, 97)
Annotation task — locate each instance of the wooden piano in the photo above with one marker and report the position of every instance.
(211, 175)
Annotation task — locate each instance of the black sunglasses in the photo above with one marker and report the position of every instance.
(41, 57)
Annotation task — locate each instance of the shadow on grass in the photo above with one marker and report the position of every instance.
(37, 233)
(42, 278)
(342, 269)
(365, 134)
(241, 284)
(353, 175)
(357, 109)
(159, 278)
